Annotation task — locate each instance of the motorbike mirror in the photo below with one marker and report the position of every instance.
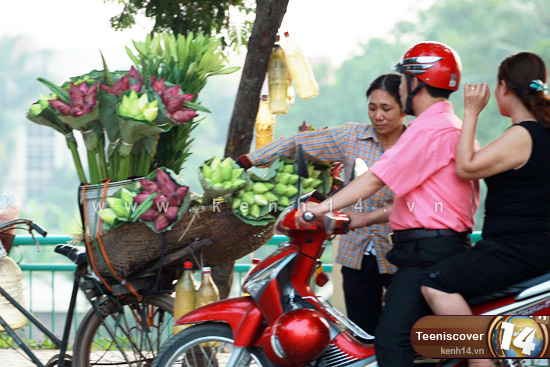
(359, 167)
(302, 163)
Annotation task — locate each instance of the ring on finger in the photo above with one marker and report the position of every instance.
(472, 87)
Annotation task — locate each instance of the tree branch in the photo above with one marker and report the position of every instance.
(269, 15)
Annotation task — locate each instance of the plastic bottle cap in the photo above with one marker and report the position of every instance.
(206, 269)
(256, 261)
(286, 34)
(188, 265)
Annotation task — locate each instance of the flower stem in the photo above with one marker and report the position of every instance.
(102, 160)
(92, 165)
(76, 158)
(124, 168)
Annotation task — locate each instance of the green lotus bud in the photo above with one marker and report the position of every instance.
(216, 162)
(127, 196)
(255, 210)
(206, 171)
(226, 173)
(308, 189)
(268, 185)
(250, 186)
(293, 179)
(139, 116)
(151, 113)
(133, 96)
(126, 102)
(117, 205)
(310, 169)
(227, 185)
(155, 103)
(291, 191)
(316, 183)
(259, 188)
(283, 201)
(248, 198)
(237, 172)
(283, 177)
(236, 203)
(244, 209)
(316, 173)
(227, 162)
(289, 168)
(36, 109)
(280, 189)
(107, 215)
(142, 101)
(238, 183)
(217, 186)
(240, 193)
(217, 176)
(271, 197)
(133, 109)
(260, 199)
(306, 182)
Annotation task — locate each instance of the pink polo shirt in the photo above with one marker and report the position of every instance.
(420, 170)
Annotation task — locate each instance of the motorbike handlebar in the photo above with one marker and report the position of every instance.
(308, 216)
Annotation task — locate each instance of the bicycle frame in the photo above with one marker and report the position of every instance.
(61, 343)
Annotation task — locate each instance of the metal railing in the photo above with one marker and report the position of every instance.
(31, 270)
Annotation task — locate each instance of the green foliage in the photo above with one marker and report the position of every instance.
(184, 16)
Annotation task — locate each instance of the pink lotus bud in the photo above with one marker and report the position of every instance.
(168, 188)
(172, 213)
(161, 203)
(172, 91)
(78, 113)
(161, 222)
(182, 192)
(133, 73)
(174, 104)
(183, 115)
(149, 214)
(149, 186)
(56, 103)
(83, 87)
(106, 88)
(140, 198)
(136, 87)
(174, 199)
(88, 108)
(188, 97)
(76, 101)
(158, 85)
(162, 177)
(75, 90)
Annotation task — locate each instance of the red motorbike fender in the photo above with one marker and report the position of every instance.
(242, 315)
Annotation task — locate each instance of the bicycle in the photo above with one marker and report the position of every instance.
(119, 329)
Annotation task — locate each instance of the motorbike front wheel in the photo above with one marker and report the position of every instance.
(206, 345)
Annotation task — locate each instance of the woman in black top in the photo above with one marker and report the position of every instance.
(516, 168)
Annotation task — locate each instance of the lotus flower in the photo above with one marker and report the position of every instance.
(123, 83)
(174, 101)
(82, 100)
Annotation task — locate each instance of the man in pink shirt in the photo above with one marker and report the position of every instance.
(433, 209)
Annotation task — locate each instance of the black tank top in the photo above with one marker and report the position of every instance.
(518, 200)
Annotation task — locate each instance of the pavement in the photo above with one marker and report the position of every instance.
(18, 358)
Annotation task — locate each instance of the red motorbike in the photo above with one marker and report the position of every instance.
(282, 322)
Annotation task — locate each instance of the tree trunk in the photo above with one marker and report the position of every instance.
(269, 15)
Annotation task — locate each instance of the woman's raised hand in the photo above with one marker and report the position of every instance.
(476, 97)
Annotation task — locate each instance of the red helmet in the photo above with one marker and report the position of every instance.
(436, 64)
(297, 337)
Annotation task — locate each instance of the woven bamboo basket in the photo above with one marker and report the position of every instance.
(132, 246)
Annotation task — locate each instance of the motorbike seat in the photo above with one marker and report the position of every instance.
(511, 290)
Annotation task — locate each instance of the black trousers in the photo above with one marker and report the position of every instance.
(363, 291)
(404, 303)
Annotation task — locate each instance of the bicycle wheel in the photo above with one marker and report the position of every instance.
(120, 337)
(206, 345)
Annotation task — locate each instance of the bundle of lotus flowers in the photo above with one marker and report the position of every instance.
(123, 115)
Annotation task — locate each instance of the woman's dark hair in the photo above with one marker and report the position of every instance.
(389, 83)
(518, 72)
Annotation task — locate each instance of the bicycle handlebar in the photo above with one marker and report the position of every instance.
(31, 226)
